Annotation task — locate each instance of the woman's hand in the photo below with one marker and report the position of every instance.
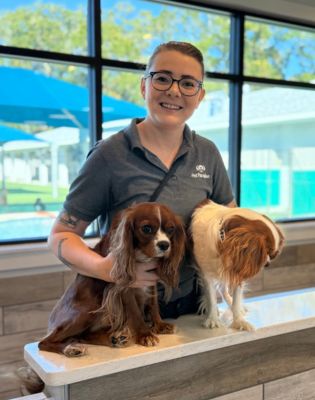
(145, 272)
(145, 275)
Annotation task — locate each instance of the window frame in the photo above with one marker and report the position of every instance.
(236, 78)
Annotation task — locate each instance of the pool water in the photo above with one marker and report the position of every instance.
(26, 228)
(20, 229)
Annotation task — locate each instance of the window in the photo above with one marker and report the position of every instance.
(274, 50)
(278, 151)
(132, 29)
(55, 25)
(278, 120)
(52, 108)
(44, 138)
(211, 119)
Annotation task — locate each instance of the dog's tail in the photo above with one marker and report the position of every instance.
(30, 382)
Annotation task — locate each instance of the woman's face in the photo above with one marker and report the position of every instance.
(171, 108)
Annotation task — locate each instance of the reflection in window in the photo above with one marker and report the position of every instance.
(44, 138)
(50, 25)
(279, 51)
(278, 151)
(132, 29)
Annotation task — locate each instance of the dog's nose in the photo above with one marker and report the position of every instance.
(163, 245)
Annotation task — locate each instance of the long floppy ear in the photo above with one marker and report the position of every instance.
(122, 248)
(102, 247)
(169, 268)
(278, 250)
(244, 249)
(281, 239)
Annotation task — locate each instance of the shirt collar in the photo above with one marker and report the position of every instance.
(132, 134)
(188, 136)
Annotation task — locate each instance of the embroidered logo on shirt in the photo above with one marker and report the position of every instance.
(201, 169)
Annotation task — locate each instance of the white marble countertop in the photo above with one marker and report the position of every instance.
(272, 315)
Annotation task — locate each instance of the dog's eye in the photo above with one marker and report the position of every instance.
(147, 229)
(170, 230)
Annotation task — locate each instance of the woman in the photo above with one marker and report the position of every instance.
(127, 168)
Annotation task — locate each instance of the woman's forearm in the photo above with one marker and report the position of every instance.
(72, 251)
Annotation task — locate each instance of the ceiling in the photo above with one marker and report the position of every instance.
(310, 3)
(296, 10)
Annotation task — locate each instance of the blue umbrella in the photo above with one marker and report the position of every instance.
(8, 134)
(30, 96)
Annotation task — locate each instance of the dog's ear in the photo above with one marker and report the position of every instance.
(276, 250)
(102, 246)
(281, 243)
(244, 250)
(168, 270)
(122, 248)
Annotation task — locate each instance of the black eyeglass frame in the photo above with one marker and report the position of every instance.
(152, 73)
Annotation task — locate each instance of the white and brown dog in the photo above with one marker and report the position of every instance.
(230, 245)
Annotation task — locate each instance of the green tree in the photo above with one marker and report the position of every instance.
(130, 34)
(46, 27)
(276, 51)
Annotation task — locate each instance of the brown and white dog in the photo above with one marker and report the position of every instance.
(230, 245)
(92, 311)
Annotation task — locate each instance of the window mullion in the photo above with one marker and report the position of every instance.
(235, 117)
(95, 70)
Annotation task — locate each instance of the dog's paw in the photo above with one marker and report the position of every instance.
(163, 328)
(212, 323)
(242, 325)
(120, 341)
(30, 381)
(75, 350)
(147, 339)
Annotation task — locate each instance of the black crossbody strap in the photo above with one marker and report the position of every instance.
(163, 182)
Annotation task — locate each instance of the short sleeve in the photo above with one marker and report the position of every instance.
(89, 194)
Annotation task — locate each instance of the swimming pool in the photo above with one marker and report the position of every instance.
(25, 228)
(20, 228)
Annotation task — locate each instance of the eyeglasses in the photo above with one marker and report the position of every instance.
(162, 81)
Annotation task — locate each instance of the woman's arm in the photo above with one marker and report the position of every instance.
(66, 242)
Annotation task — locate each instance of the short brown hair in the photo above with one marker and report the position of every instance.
(182, 47)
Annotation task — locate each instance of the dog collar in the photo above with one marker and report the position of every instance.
(221, 230)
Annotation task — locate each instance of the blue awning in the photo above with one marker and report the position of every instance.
(8, 134)
(27, 96)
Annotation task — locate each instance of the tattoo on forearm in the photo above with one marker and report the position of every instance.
(60, 256)
(69, 220)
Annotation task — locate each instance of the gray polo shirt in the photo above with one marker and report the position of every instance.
(119, 171)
